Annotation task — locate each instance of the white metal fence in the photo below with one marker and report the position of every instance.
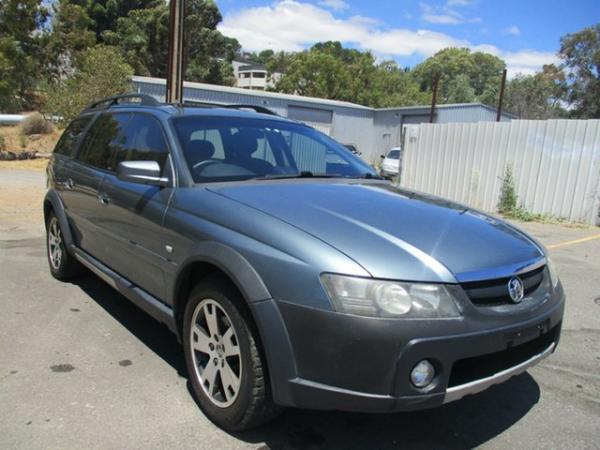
(556, 164)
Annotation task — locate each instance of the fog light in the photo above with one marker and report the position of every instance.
(422, 374)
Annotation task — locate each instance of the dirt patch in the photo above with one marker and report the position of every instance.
(27, 164)
(13, 141)
(21, 195)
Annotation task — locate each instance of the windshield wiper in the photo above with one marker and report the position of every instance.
(367, 176)
(303, 174)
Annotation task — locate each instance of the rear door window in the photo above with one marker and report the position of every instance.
(67, 145)
(104, 139)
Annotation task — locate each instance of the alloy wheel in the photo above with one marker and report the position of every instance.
(55, 243)
(215, 353)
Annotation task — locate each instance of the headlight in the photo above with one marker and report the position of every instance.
(380, 298)
(552, 271)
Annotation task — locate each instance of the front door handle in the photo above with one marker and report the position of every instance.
(104, 199)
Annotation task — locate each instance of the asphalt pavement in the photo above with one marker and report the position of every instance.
(81, 367)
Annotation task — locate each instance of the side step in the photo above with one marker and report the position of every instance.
(137, 295)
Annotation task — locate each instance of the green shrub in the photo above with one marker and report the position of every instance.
(508, 193)
(102, 72)
(508, 205)
(35, 123)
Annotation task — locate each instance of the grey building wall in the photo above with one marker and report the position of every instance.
(372, 131)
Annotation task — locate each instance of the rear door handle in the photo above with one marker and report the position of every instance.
(104, 199)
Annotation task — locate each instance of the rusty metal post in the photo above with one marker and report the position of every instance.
(175, 66)
(434, 97)
(501, 99)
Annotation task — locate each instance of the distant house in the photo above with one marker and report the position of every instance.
(250, 75)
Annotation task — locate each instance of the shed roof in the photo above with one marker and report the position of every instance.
(408, 110)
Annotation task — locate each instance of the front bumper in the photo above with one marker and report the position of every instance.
(351, 363)
(388, 173)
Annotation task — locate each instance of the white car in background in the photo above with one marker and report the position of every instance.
(391, 163)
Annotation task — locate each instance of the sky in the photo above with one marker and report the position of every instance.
(525, 33)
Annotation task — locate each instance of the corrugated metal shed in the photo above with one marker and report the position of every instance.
(372, 131)
(555, 164)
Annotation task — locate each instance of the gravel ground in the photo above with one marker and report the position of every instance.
(80, 367)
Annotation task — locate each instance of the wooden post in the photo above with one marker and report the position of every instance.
(175, 66)
(501, 99)
(434, 97)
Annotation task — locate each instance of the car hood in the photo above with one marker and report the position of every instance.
(393, 233)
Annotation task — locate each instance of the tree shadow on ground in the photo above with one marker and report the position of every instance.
(467, 423)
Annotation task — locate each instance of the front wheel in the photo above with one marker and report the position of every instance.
(225, 368)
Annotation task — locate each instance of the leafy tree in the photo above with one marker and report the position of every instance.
(459, 90)
(486, 73)
(20, 50)
(279, 62)
(261, 57)
(142, 37)
(537, 96)
(71, 34)
(209, 53)
(104, 14)
(328, 70)
(482, 70)
(394, 86)
(102, 72)
(581, 54)
(315, 74)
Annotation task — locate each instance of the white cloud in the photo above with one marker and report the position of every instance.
(444, 19)
(336, 5)
(459, 2)
(527, 61)
(292, 25)
(514, 30)
(444, 15)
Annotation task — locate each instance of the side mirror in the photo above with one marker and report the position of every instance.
(382, 156)
(141, 172)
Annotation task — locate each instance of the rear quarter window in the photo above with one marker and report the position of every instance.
(67, 145)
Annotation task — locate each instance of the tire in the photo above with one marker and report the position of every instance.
(63, 266)
(233, 355)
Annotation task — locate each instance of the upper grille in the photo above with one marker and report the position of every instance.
(495, 292)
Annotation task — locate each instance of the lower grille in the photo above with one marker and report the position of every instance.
(495, 292)
(478, 367)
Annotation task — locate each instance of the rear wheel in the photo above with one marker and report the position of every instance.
(63, 266)
(225, 369)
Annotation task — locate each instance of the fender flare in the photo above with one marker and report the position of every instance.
(230, 262)
(52, 199)
(263, 308)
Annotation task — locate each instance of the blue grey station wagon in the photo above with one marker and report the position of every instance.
(291, 273)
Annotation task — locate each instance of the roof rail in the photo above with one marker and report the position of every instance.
(257, 108)
(106, 103)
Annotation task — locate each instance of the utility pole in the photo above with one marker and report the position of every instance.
(175, 66)
(436, 79)
(501, 99)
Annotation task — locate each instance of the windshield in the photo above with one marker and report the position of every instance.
(394, 154)
(233, 148)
